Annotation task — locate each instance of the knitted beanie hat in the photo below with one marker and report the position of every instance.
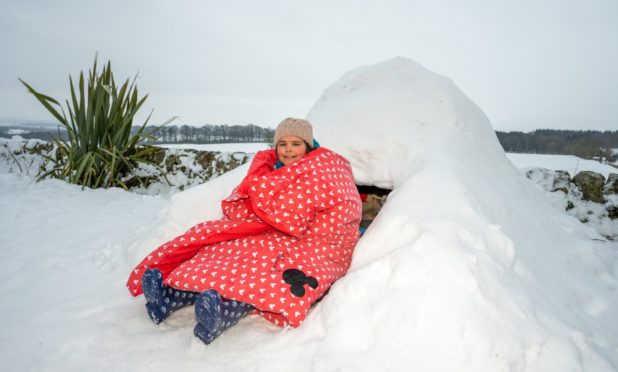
(295, 127)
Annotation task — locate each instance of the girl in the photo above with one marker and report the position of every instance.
(288, 232)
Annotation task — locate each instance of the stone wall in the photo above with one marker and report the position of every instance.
(173, 169)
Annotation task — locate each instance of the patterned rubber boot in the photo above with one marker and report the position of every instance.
(161, 300)
(215, 316)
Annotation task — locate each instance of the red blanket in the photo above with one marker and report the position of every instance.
(304, 216)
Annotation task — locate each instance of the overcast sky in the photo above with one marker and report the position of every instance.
(528, 64)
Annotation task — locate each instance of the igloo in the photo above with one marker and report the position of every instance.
(466, 268)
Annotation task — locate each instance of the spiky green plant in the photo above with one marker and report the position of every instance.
(100, 150)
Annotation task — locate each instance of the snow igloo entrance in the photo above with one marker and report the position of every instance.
(373, 198)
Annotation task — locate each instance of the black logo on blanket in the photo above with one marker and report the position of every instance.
(297, 279)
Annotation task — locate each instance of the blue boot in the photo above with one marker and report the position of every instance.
(215, 316)
(161, 300)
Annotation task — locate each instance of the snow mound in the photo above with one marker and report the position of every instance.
(466, 268)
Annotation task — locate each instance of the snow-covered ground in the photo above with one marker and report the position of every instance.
(467, 268)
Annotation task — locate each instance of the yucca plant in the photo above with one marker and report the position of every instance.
(100, 150)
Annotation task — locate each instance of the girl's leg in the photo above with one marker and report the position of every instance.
(215, 316)
(161, 300)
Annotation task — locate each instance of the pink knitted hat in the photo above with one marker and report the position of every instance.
(295, 127)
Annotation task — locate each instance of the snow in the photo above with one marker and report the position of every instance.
(467, 268)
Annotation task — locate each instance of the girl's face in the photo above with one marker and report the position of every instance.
(290, 149)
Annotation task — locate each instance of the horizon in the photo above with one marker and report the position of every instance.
(8, 122)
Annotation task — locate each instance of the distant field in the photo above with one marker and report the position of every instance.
(223, 147)
(569, 163)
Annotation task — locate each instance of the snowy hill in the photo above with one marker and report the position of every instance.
(467, 267)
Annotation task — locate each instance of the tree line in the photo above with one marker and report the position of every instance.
(583, 143)
(586, 144)
(210, 133)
